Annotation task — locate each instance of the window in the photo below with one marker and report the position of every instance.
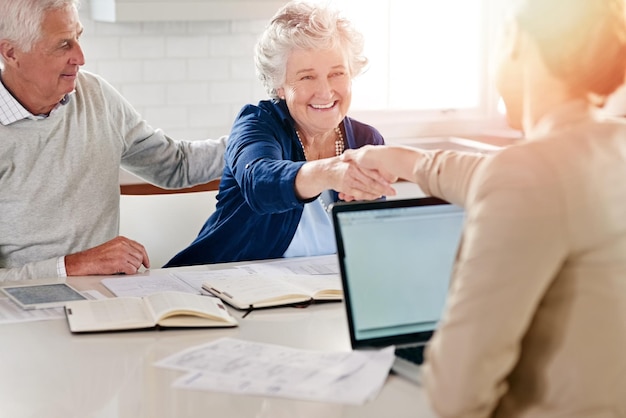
(429, 61)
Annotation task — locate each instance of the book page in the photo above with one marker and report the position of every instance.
(108, 314)
(247, 290)
(315, 265)
(166, 304)
(318, 286)
(196, 279)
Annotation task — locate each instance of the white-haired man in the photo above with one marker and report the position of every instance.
(64, 134)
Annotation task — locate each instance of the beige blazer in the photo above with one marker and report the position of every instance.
(535, 324)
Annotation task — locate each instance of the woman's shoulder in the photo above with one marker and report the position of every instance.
(362, 132)
(264, 121)
(524, 169)
(265, 111)
(518, 159)
(359, 126)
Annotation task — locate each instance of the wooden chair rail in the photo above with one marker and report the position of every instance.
(149, 189)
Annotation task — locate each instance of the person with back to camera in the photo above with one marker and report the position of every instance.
(535, 323)
(64, 133)
(283, 167)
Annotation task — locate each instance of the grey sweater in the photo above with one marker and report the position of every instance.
(59, 176)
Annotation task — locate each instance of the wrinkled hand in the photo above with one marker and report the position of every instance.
(377, 179)
(368, 157)
(359, 183)
(120, 255)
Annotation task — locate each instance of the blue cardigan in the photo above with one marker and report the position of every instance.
(257, 210)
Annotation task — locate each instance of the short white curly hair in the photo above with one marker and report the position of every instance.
(303, 25)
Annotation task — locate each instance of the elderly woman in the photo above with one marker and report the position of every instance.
(284, 154)
(535, 324)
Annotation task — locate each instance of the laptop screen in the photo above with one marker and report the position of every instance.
(396, 259)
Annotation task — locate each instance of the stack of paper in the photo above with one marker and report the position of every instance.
(250, 368)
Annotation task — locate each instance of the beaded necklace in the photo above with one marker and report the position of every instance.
(339, 148)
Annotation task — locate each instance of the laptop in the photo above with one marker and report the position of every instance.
(396, 259)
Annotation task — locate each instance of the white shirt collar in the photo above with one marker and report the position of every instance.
(12, 110)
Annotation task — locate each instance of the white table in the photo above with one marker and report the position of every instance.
(47, 372)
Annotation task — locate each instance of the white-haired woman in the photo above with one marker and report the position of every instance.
(284, 154)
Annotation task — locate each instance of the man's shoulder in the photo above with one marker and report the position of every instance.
(90, 83)
(86, 78)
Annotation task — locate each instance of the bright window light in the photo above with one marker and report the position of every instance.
(424, 54)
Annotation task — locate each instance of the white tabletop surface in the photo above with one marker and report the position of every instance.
(48, 372)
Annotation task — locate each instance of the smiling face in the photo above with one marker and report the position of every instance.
(317, 89)
(41, 77)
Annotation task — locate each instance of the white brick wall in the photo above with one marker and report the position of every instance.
(187, 78)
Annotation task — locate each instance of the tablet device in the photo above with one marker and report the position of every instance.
(37, 296)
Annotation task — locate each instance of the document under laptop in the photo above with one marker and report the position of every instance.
(396, 259)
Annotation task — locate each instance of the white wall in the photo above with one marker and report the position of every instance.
(165, 224)
(188, 78)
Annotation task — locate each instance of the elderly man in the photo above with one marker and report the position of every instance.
(63, 136)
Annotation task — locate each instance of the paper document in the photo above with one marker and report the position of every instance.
(185, 281)
(278, 282)
(195, 279)
(250, 368)
(10, 312)
(140, 286)
(190, 281)
(318, 265)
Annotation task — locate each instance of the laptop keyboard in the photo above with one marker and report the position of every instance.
(414, 354)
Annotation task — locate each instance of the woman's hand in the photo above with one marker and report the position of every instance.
(365, 156)
(346, 177)
(360, 183)
(367, 159)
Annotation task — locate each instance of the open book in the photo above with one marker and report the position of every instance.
(164, 309)
(261, 291)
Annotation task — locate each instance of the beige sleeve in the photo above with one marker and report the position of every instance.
(447, 174)
(513, 245)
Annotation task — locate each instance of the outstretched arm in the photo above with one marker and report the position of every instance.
(344, 176)
(445, 174)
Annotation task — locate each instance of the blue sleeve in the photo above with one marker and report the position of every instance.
(260, 154)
